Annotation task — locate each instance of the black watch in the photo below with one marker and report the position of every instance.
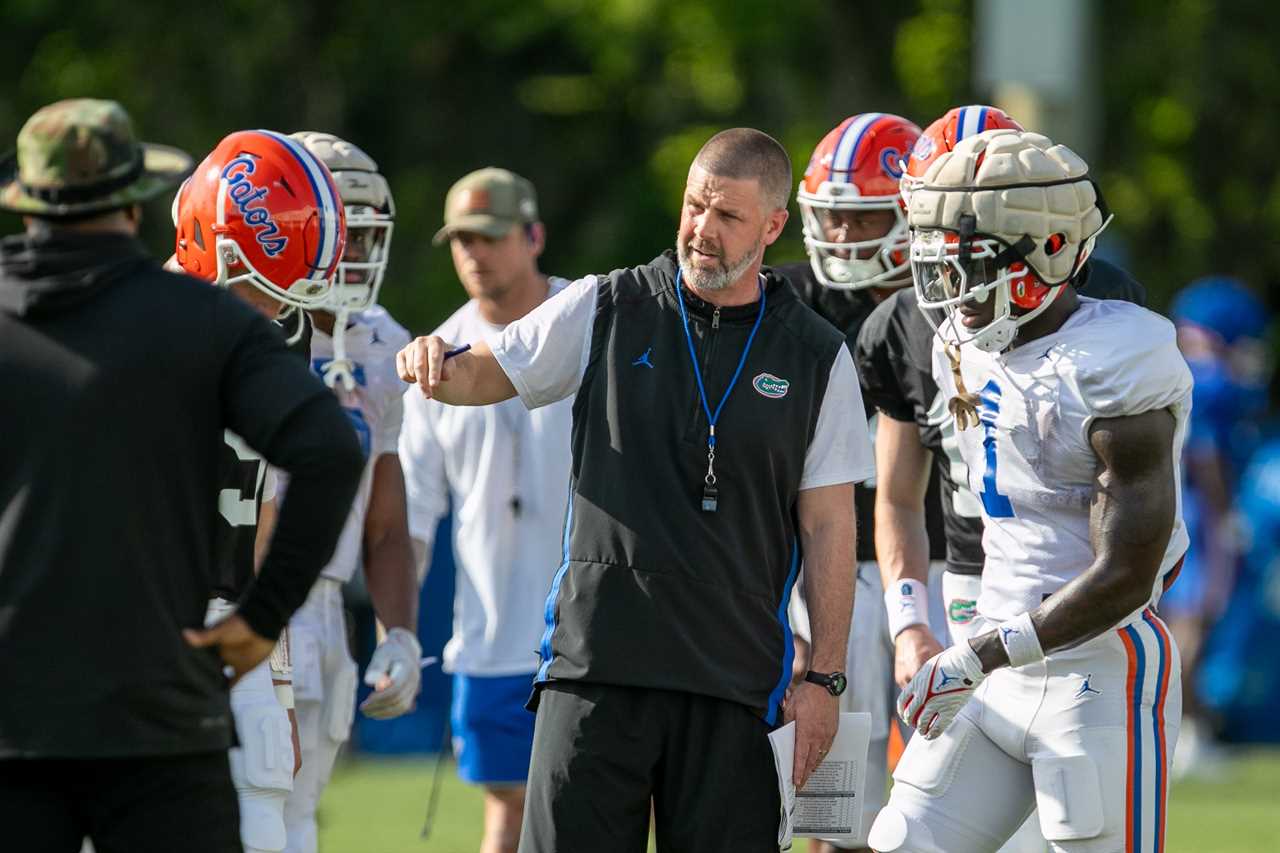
(835, 682)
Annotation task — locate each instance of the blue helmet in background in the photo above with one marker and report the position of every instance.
(1223, 305)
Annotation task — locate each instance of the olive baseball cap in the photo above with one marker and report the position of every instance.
(488, 201)
(79, 157)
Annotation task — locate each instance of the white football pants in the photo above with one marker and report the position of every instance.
(262, 765)
(1085, 735)
(324, 690)
(960, 597)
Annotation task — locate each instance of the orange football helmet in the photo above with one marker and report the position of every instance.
(856, 167)
(940, 137)
(262, 209)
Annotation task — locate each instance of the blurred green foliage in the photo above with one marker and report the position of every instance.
(602, 103)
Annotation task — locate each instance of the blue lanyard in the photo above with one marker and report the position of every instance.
(710, 494)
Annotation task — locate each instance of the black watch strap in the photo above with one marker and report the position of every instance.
(835, 682)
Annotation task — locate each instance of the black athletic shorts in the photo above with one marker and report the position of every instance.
(124, 805)
(602, 754)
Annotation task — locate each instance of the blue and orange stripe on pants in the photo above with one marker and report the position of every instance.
(1145, 832)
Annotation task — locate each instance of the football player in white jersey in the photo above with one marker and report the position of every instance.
(1073, 414)
(505, 469)
(353, 347)
(279, 286)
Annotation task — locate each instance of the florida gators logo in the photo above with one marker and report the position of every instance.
(924, 148)
(891, 162)
(242, 192)
(962, 611)
(768, 385)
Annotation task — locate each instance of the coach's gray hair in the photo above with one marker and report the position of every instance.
(744, 152)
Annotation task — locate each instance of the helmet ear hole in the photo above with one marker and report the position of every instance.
(198, 234)
(1026, 290)
(1054, 244)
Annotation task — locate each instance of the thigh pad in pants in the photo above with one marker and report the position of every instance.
(959, 793)
(1069, 796)
(264, 758)
(262, 766)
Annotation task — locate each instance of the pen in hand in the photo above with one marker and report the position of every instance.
(459, 351)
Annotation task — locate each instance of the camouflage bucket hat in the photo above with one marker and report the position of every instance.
(79, 157)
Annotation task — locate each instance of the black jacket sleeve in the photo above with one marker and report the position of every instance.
(319, 450)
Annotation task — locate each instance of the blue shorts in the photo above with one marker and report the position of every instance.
(492, 730)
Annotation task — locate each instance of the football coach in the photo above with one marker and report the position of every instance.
(715, 449)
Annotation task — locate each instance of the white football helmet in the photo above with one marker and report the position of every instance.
(1007, 215)
(371, 215)
(371, 212)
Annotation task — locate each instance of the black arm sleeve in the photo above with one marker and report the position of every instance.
(318, 448)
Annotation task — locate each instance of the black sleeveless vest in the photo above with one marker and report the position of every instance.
(654, 592)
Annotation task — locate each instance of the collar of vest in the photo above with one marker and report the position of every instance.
(777, 291)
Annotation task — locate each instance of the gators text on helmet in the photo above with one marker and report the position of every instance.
(942, 135)
(264, 210)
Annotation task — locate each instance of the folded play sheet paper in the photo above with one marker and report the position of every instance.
(830, 803)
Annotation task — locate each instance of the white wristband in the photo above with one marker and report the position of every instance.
(1021, 643)
(908, 604)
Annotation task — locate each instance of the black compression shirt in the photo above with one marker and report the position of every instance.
(848, 310)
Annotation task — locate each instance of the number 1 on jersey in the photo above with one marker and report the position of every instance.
(995, 504)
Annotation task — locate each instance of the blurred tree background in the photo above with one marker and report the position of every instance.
(602, 103)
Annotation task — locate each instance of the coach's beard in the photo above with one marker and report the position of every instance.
(721, 277)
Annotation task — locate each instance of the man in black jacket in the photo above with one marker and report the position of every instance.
(121, 379)
(712, 452)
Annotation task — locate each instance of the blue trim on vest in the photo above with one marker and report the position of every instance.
(788, 646)
(550, 611)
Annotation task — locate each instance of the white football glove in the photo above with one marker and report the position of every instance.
(938, 691)
(394, 673)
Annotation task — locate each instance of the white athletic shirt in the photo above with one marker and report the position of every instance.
(545, 355)
(1030, 461)
(372, 339)
(481, 458)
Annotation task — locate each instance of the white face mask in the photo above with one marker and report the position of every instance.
(357, 283)
(836, 264)
(944, 283)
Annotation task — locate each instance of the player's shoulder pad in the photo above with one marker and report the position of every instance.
(799, 274)
(1125, 359)
(875, 332)
(389, 332)
(1105, 280)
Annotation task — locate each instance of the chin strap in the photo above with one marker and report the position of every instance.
(341, 368)
(283, 319)
(964, 405)
(1017, 253)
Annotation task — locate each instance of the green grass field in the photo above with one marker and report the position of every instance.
(377, 806)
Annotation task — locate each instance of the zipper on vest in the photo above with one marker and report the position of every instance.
(715, 318)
